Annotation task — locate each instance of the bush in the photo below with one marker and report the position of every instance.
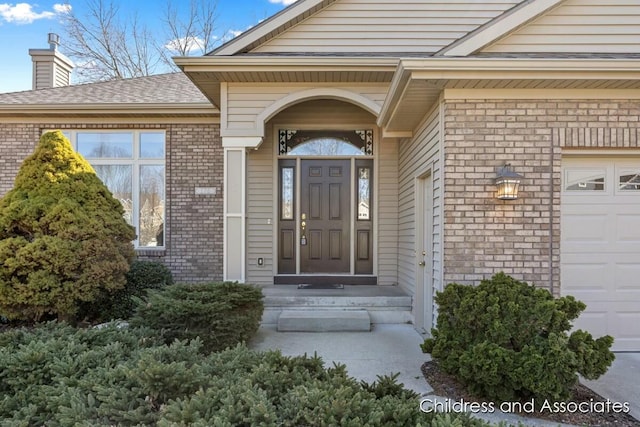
(221, 314)
(145, 275)
(121, 304)
(63, 238)
(507, 340)
(56, 375)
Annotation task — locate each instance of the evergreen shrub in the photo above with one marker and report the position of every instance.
(508, 340)
(143, 276)
(55, 375)
(220, 314)
(63, 238)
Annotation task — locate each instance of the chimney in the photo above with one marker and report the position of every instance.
(50, 67)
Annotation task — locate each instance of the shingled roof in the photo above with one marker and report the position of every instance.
(173, 88)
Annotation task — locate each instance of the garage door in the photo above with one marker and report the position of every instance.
(600, 258)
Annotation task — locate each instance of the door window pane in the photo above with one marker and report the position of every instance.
(152, 145)
(364, 191)
(118, 180)
(98, 145)
(151, 230)
(287, 193)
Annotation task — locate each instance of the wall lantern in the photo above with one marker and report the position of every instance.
(507, 182)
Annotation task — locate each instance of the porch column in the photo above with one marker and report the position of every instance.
(235, 192)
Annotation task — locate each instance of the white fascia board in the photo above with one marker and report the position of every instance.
(397, 88)
(446, 66)
(120, 108)
(541, 94)
(499, 27)
(282, 63)
(264, 28)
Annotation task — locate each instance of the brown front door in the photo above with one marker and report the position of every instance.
(325, 210)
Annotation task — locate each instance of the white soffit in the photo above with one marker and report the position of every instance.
(418, 82)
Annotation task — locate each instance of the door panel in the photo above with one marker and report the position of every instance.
(363, 245)
(287, 245)
(324, 200)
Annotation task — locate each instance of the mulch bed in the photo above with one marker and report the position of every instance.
(446, 386)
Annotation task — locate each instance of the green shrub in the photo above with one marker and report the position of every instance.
(221, 314)
(508, 340)
(56, 375)
(121, 304)
(145, 275)
(63, 238)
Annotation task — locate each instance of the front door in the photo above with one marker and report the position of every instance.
(325, 196)
(326, 207)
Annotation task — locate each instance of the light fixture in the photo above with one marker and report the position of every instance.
(507, 182)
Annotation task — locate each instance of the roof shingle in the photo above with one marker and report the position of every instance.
(172, 88)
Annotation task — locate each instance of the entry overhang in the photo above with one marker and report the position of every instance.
(419, 83)
(208, 72)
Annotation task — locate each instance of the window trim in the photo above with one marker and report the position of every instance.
(361, 139)
(136, 161)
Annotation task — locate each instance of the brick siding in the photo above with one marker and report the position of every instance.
(17, 141)
(193, 223)
(483, 235)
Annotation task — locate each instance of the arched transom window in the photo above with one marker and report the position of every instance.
(325, 143)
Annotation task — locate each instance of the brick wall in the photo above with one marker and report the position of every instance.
(17, 141)
(483, 235)
(193, 223)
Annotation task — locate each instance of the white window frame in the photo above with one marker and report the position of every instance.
(135, 162)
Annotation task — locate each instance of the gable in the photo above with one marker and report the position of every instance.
(578, 26)
(381, 26)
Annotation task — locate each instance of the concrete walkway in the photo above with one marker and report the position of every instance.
(621, 383)
(387, 349)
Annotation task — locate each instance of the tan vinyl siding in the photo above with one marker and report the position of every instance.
(260, 194)
(43, 75)
(387, 212)
(416, 156)
(246, 101)
(261, 170)
(61, 77)
(384, 26)
(579, 26)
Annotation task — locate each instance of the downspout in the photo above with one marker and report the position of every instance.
(554, 136)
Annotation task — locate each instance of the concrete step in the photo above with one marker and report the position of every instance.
(384, 304)
(324, 321)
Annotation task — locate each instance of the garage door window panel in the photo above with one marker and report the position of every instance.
(585, 179)
(629, 180)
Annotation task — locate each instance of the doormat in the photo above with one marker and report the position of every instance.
(310, 286)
